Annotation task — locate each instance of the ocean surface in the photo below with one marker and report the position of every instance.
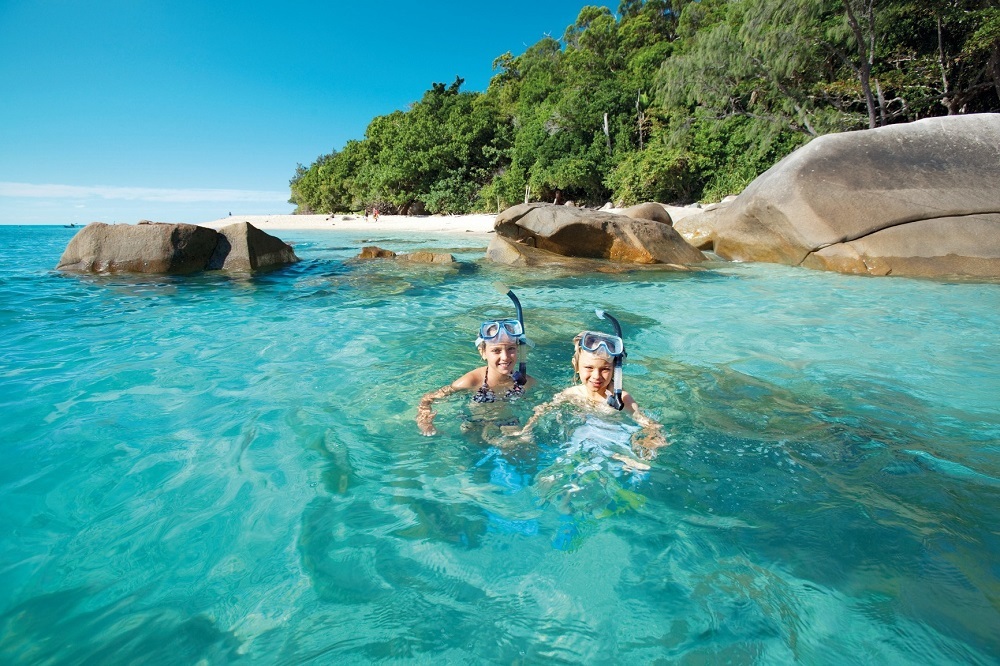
(226, 469)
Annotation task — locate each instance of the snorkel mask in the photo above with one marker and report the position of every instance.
(613, 346)
(508, 329)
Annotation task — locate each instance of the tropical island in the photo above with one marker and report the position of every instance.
(675, 102)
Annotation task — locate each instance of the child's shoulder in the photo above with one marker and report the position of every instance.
(471, 379)
(572, 393)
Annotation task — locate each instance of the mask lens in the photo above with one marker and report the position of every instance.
(593, 341)
(492, 329)
(512, 326)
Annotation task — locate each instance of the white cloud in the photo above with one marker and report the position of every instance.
(52, 191)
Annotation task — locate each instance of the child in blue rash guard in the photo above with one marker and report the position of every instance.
(499, 343)
(594, 364)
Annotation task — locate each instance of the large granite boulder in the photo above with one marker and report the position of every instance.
(243, 247)
(171, 248)
(575, 232)
(511, 253)
(920, 199)
(648, 211)
(140, 248)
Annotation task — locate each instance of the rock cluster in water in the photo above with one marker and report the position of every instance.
(150, 247)
(418, 257)
(536, 233)
(920, 199)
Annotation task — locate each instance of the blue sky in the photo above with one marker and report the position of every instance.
(186, 110)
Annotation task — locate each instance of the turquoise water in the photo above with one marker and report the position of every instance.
(224, 469)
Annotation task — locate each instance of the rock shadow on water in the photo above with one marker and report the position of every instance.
(837, 494)
(66, 627)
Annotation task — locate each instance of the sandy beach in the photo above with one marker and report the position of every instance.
(448, 224)
(481, 224)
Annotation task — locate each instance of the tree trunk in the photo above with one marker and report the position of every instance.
(994, 66)
(640, 116)
(881, 103)
(947, 99)
(866, 56)
(607, 134)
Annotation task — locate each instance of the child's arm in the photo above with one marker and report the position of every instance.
(651, 437)
(425, 413)
(539, 412)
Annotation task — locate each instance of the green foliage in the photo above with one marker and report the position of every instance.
(672, 101)
(658, 173)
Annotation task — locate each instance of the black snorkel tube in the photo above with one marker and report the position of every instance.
(521, 376)
(615, 399)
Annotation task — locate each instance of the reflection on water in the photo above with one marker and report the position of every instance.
(222, 468)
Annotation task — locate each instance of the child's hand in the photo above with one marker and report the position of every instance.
(517, 432)
(646, 442)
(629, 464)
(425, 421)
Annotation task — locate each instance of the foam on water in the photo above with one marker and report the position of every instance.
(226, 468)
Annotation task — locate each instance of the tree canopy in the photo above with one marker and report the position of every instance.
(672, 101)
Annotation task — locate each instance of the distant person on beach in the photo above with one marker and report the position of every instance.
(597, 361)
(375, 214)
(502, 345)
(366, 213)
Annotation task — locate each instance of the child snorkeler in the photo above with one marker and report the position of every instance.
(597, 364)
(500, 343)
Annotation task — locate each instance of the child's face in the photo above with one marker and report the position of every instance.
(595, 371)
(501, 356)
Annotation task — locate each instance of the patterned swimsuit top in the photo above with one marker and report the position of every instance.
(486, 394)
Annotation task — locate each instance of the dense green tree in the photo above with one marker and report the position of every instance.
(671, 100)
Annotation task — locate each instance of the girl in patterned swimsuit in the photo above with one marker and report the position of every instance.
(499, 343)
(486, 394)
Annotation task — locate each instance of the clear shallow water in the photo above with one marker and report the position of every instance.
(227, 468)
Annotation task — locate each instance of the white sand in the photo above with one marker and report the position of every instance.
(445, 224)
(481, 224)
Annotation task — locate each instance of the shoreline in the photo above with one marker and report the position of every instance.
(449, 224)
(478, 223)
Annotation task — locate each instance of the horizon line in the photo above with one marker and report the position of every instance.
(157, 194)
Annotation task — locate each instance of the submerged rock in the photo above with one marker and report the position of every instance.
(375, 252)
(156, 247)
(428, 257)
(574, 232)
(919, 199)
(418, 257)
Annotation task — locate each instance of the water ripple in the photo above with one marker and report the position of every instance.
(229, 466)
